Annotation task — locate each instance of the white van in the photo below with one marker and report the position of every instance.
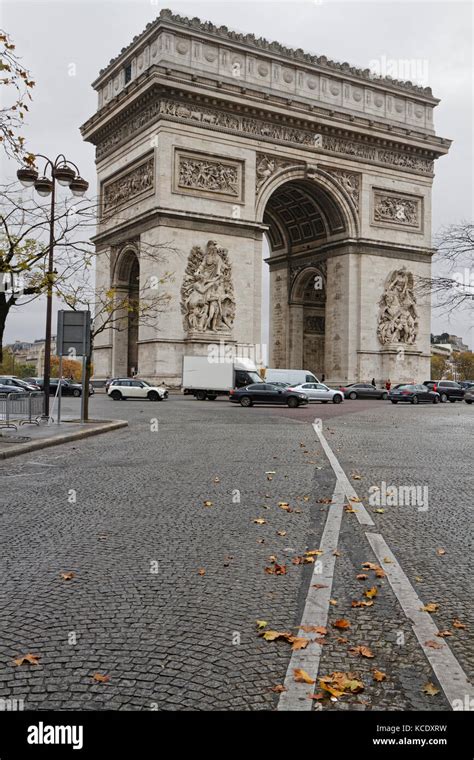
(292, 376)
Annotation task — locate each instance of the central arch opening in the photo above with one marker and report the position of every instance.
(306, 223)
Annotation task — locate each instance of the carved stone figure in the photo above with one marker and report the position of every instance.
(127, 186)
(211, 176)
(398, 317)
(395, 210)
(207, 293)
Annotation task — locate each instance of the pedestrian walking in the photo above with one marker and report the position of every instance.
(388, 385)
(323, 378)
(373, 382)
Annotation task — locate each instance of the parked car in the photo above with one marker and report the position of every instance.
(121, 389)
(363, 390)
(447, 389)
(67, 388)
(267, 393)
(466, 384)
(319, 392)
(414, 394)
(10, 389)
(18, 382)
(469, 396)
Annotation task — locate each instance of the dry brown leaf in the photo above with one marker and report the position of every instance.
(207, 503)
(31, 659)
(260, 540)
(201, 571)
(325, 500)
(275, 635)
(217, 479)
(333, 602)
(362, 651)
(440, 552)
(370, 566)
(314, 552)
(361, 577)
(371, 592)
(336, 553)
(260, 521)
(301, 676)
(339, 683)
(299, 642)
(434, 644)
(442, 634)
(380, 573)
(281, 532)
(431, 689)
(457, 624)
(431, 607)
(355, 498)
(261, 624)
(341, 623)
(362, 603)
(314, 629)
(278, 689)
(355, 476)
(342, 640)
(379, 675)
(99, 678)
(319, 585)
(276, 570)
(68, 576)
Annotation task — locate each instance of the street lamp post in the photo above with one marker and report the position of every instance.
(62, 171)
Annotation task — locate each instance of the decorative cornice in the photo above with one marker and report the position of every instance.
(310, 136)
(259, 43)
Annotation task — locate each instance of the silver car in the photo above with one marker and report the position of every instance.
(319, 392)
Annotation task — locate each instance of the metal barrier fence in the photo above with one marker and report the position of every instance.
(21, 409)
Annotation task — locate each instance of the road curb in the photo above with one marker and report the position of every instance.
(45, 443)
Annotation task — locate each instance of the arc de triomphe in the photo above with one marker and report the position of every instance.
(206, 141)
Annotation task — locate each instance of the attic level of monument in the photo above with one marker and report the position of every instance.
(187, 52)
(207, 29)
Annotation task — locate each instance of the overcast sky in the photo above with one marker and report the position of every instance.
(436, 36)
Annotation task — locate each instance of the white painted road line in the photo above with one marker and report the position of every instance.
(360, 511)
(315, 612)
(447, 669)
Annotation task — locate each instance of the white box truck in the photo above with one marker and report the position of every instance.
(204, 378)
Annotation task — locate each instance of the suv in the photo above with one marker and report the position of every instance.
(123, 388)
(447, 389)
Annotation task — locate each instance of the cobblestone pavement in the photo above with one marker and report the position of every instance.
(166, 589)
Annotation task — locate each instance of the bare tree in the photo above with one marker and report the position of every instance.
(453, 287)
(24, 245)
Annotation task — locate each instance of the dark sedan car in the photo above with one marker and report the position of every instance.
(266, 393)
(67, 388)
(363, 390)
(415, 394)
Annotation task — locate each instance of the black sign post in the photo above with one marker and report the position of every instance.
(73, 340)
